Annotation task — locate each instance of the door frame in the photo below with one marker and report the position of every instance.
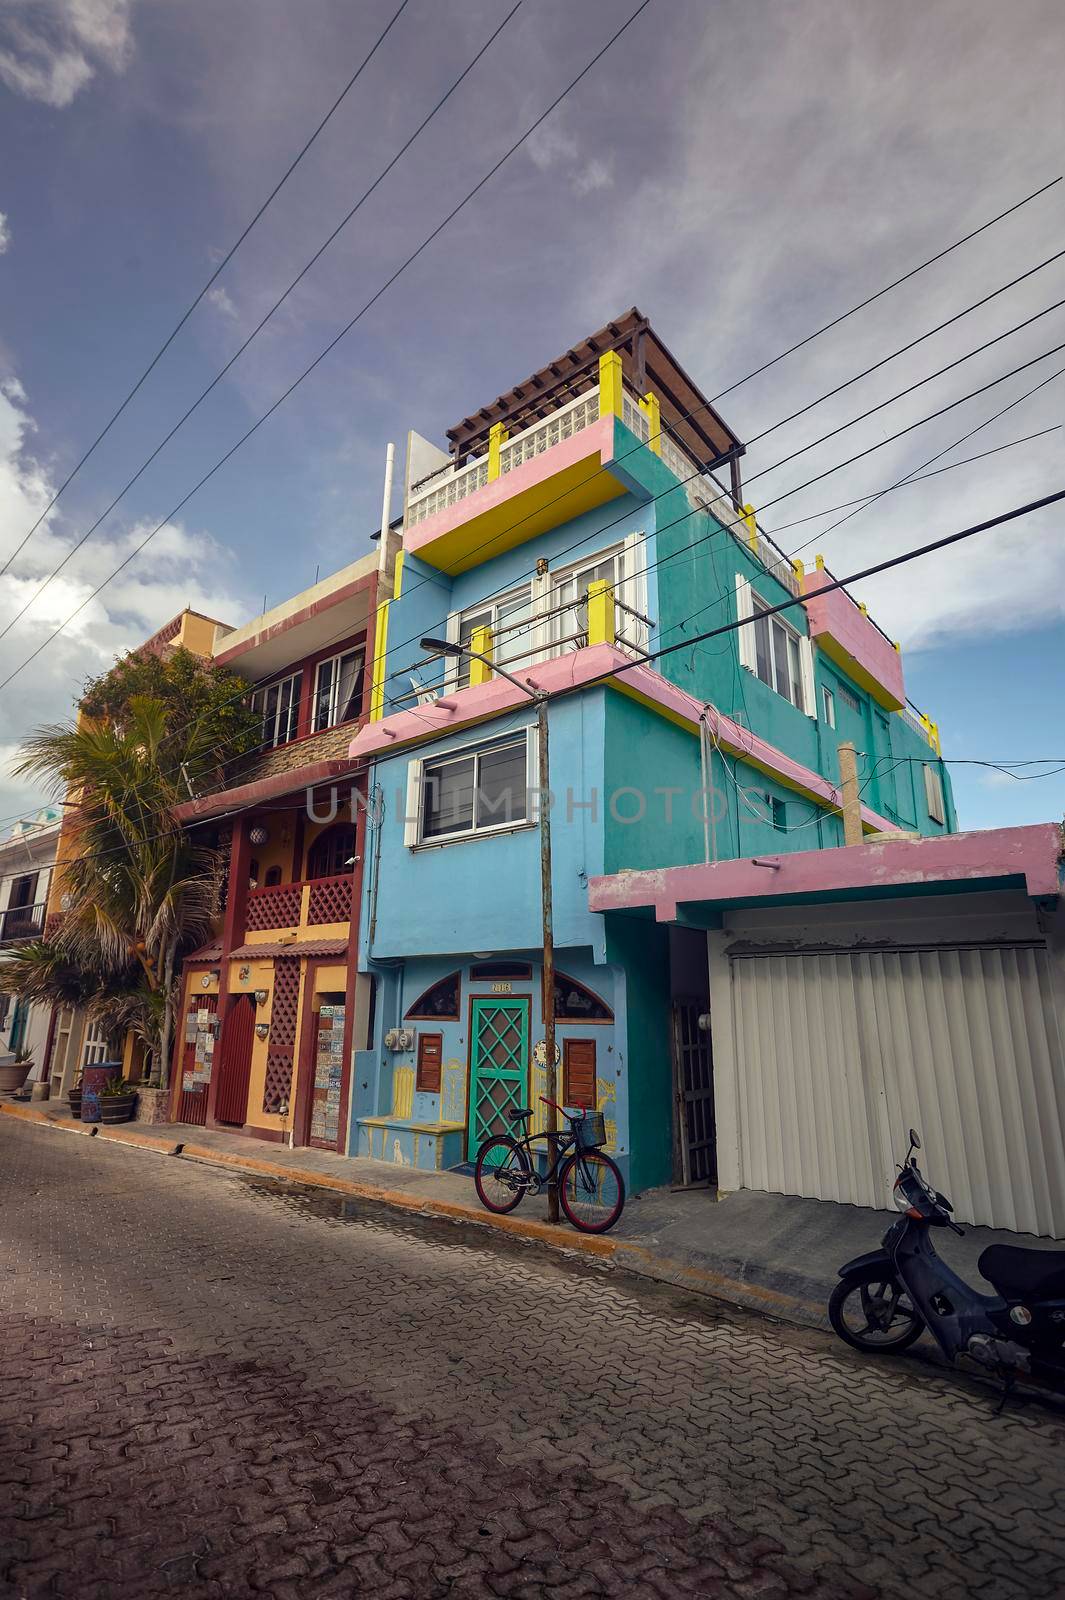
(524, 1000)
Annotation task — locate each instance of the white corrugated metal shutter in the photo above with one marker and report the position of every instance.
(839, 1053)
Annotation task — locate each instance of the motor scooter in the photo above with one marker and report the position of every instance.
(886, 1299)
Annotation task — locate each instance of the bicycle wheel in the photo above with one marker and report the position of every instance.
(591, 1190)
(501, 1176)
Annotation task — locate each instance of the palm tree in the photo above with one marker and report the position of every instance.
(140, 892)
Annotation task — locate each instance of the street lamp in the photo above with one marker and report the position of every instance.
(447, 647)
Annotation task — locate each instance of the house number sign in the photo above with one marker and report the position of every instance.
(502, 988)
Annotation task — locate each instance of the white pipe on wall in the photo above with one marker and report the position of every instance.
(386, 510)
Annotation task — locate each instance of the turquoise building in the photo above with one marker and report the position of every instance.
(588, 518)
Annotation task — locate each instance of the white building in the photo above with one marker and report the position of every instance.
(27, 857)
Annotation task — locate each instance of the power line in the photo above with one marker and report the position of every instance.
(336, 340)
(235, 357)
(226, 259)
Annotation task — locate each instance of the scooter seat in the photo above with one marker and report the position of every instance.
(1016, 1272)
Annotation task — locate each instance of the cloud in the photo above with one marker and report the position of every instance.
(186, 567)
(5, 233)
(219, 298)
(50, 49)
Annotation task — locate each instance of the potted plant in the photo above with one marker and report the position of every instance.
(75, 1099)
(15, 1070)
(117, 1100)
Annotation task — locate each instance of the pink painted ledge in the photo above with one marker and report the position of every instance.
(598, 439)
(572, 671)
(835, 616)
(1032, 853)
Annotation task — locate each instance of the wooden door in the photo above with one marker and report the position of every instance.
(238, 1034)
(499, 1066)
(578, 1073)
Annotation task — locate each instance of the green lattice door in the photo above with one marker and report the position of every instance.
(499, 1067)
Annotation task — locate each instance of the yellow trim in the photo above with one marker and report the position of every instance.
(380, 651)
(397, 574)
(480, 671)
(798, 566)
(820, 563)
(610, 385)
(601, 621)
(652, 410)
(751, 526)
(496, 435)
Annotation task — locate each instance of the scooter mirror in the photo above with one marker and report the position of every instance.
(915, 1139)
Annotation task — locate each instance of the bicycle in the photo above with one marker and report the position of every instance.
(591, 1189)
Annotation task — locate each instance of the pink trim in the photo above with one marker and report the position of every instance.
(1033, 853)
(253, 794)
(596, 440)
(463, 707)
(836, 616)
(304, 614)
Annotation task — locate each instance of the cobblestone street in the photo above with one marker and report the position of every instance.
(220, 1386)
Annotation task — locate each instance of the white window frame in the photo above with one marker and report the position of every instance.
(413, 818)
(748, 602)
(630, 587)
(457, 675)
(334, 687)
(275, 743)
(933, 793)
(828, 705)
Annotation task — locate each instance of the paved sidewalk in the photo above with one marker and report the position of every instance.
(771, 1253)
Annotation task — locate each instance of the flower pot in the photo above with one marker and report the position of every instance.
(117, 1107)
(75, 1102)
(13, 1075)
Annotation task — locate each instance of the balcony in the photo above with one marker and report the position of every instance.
(848, 635)
(317, 903)
(21, 923)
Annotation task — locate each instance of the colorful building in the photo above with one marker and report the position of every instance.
(272, 1009)
(27, 856)
(576, 525)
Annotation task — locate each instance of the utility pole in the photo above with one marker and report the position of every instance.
(448, 647)
(848, 782)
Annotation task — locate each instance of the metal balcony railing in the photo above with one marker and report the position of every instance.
(21, 923)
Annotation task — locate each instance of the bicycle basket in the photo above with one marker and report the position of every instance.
(590, 1130)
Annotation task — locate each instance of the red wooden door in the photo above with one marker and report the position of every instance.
(192, 1104)
(238, 1032)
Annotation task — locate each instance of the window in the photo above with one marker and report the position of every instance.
(430, 1058)
(933, 793)
(273, 877)
(486, 971)
(333, 852)
(510, 619)
(621, 567)
(828, 705)
(773, 650)
(576, 1003)
(441, 1000)
(578, 1073)
(474, 790)
(337, 690)
(279, 707)
(850, 700)
(778, 813)
(5, 1007)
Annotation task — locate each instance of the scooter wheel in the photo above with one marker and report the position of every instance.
(874, 1313)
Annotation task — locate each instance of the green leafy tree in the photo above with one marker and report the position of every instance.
(139, 890)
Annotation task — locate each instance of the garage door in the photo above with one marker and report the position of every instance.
(839, 1053)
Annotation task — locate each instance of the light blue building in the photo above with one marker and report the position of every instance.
(574, 530)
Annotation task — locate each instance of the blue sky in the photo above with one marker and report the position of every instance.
(742, 173)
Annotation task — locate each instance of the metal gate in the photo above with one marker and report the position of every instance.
(195, 1069)
(838, 1053)
(499, 1066)
(693, 1084)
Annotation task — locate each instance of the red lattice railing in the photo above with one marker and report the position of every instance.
(276, 907)
(330, 899)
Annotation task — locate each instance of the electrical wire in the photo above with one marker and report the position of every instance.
(278, 303)
(226, 259)
(337, 339)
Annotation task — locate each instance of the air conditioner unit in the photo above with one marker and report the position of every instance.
(399, 1039)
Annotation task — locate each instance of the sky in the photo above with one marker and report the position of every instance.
(743, 171)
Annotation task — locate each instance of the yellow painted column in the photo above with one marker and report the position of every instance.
(610, 384)
(496, 435)
(601, 629)
(751, 526)
(652, 410)
(480, 671)
(380, 651)
(798, 566)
